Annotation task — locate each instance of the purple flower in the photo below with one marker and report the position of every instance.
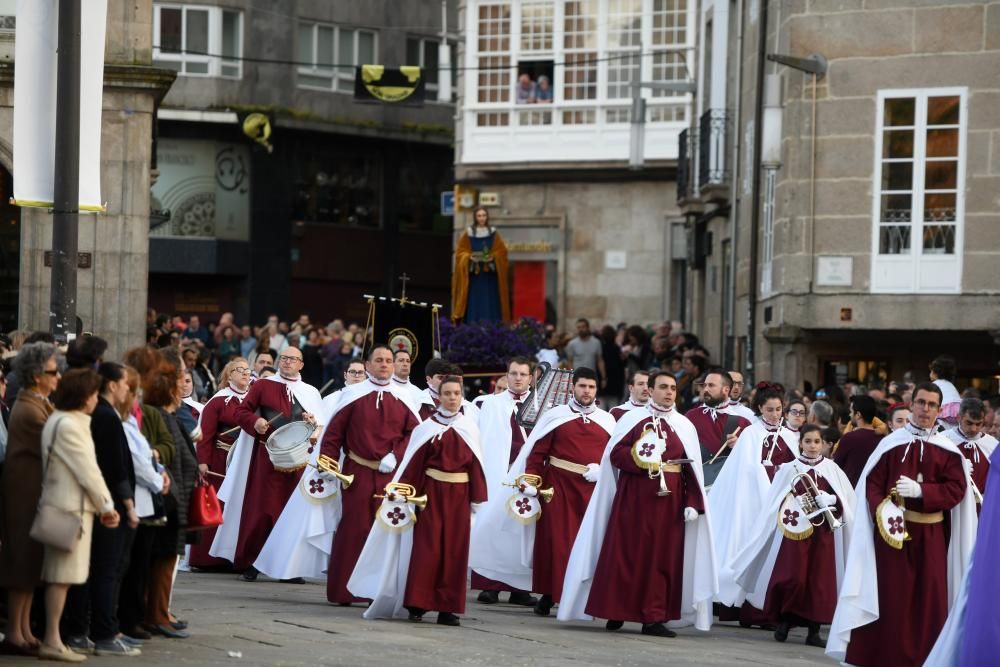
(490, 343)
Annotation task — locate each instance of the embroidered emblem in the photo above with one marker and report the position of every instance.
(395, 516)
(895, 525)
(646, 449)
(791, 518)
(316, 486)
(523, 506)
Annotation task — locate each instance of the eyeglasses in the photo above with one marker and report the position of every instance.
(355, 373)
(53, 372)
(735, 383)
(241, 371)
(286, 359)
(925, 404)
(797, 413)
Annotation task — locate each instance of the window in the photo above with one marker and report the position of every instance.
(919, 201)
(8, 13)
(331, 54)
(424, 52)
(493, 48)
(198, 41)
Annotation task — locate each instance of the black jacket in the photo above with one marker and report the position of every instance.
(113, 455)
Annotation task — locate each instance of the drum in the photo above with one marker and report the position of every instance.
(288, 447)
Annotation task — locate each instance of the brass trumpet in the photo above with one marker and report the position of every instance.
(526, 479)
(332, 467)
(657, 472)
(807, 500)
(407, 491)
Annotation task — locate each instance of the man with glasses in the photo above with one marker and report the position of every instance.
(502, 439)
(354, 374)
(255, 492)
(977, 447)
(219, 431)
(857, 445)
(368, 429)
(895, 592)
(734, 406)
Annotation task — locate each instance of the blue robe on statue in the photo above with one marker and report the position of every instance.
(484, 299)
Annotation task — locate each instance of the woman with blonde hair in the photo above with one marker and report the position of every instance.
(73, 483)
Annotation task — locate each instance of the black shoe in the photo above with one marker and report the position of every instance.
(657, 630)
(781, 633)
(489, 597)
(813, 638)
(179, 624)
(293, 580)
(522, 599)
(544, 605)
(169, 632)
(614, 625)
(250, 574)
(446, 618)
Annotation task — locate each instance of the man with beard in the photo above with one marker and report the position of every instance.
(644, 550)
(563, 451)
(734, 406)
(715, 427)
(638, 395)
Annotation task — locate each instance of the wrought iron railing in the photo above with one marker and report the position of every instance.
(712, 166)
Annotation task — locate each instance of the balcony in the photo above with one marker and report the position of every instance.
(713, 170)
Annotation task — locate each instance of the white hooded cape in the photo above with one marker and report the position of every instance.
(754, 564)
(737, 498)
(300, 542)
(858, 601)
(502, 548)
(700, 582)
(234, 486)
(384, 564)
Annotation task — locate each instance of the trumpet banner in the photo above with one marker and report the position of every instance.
(35, 101)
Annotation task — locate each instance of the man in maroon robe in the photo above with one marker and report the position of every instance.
(371, 433)
(219, 430)
(640, 572)
(447, 470)
(268, 405)
(715, 428)
(638, 394)
(435, 370)
(857, 445)
(912, 580)
(567, 458)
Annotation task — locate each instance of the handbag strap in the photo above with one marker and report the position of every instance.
(48, 459)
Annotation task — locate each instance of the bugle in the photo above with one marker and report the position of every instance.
(527, 479)
(407, 491)
(807, 500)
(332, 467)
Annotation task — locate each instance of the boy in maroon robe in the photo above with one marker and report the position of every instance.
(852, 453)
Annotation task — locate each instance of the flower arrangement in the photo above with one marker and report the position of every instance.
(490, 343)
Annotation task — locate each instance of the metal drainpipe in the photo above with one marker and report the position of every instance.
(758, 121)
(734, 193)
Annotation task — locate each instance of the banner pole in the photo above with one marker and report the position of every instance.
(66, 181)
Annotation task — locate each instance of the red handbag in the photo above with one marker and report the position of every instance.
(206, 511)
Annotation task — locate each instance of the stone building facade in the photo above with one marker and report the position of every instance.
(877, 230)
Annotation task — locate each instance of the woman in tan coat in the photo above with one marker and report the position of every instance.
(20, 556)
(72, 482)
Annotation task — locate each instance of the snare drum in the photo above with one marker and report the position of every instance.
(288, 447)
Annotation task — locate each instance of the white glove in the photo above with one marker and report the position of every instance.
(690, 514)
(908, 488)
(824, 500)
(475, 507)
(529, 490)
(593, 473)
(327, 477)
(388, 463)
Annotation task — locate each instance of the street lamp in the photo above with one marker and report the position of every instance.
(637, 136)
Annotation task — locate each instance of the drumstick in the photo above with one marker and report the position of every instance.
(214, 474)
(736, 433)
(237, 428)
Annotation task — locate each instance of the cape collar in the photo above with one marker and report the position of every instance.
(236, 391)
(638, 405)
(582, 409)
(515, 396)
(403, 383)
(378, 383)
(917, 431)
(445, 417)
(808, 461)
(658, 410)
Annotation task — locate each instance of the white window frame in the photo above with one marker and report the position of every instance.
(342, 78)
(213, 61)
(918, 272)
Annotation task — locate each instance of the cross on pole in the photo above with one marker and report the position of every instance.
(404, 279)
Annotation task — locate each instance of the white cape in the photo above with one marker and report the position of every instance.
(737, 498)
(502, 548)
(300, 542)
(754, 564)
(858, 601)
(700, 582)
(234, 487)
(384, 564)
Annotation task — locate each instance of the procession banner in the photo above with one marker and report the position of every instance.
(405, 325)
(35, 101)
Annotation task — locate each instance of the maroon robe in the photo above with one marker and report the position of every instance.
(219, 416)
(803, 585)
(912, 581)
(853, 451)
(577, 441)
(267, 489)
(640, 572)
(980, 466)
(369, 427)
(781, 454)
(620, 411)
(710, 425)
(440, 555)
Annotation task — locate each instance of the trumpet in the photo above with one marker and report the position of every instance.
(332, 467)
(406, 491)
(807, 500)
(657, 473)
(526, 479)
